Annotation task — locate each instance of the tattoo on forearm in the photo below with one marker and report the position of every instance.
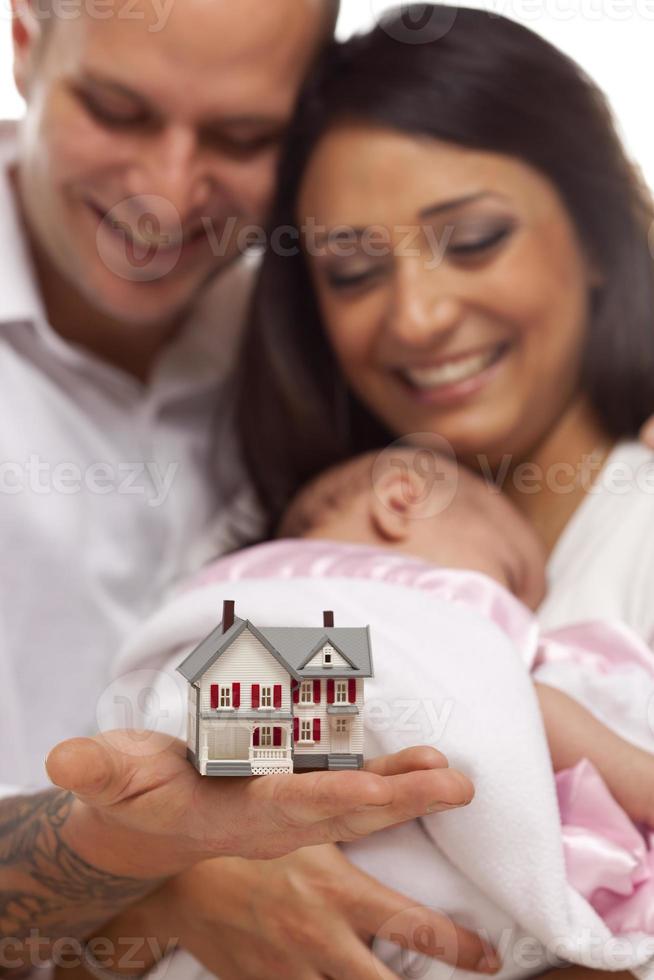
(44, 884)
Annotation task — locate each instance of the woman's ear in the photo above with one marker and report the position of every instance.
(392, 505)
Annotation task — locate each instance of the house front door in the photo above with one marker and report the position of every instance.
(341, 735)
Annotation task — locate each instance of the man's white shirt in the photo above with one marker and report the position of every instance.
(106, 487)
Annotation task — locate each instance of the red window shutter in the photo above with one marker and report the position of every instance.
(296, 729)
(330, 691)
(255, 695)
(316, 692)
(215, 696)
(295, 690)
(236, 695)
(277, 696)
(316, 729)
(352, 690)
(277, 736)
(256, 736)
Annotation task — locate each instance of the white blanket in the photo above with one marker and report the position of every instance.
(446, 676)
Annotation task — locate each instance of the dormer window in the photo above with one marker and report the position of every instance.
(328, 656)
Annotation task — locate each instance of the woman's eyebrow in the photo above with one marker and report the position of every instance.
(434, 209)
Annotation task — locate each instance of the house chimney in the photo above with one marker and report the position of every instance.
(328, 619)
(228, 614)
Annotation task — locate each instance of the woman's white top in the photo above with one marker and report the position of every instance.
(603, 564)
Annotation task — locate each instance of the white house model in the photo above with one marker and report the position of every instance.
(276, 700)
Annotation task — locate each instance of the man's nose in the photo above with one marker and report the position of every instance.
(425, 307)
(171, 168)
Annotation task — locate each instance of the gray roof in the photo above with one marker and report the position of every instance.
(292, 646)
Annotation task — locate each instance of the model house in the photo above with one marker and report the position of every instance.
(276, 700)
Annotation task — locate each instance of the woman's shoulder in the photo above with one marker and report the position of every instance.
(628, 472)
(603, 564)
(621, 494)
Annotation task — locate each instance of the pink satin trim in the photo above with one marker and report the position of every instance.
(608, 860)
(602, 646)
(329, 559)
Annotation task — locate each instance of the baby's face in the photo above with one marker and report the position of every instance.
(448, 517)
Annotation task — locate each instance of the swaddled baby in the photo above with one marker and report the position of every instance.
(404, 537)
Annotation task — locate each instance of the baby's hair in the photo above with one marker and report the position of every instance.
(327, 492)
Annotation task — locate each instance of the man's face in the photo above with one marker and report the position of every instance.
(151, 138)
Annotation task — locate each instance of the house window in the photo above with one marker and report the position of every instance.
(266, 735)
(341, 726)
(225, 696)
(341, 692)
(327, 656)
(305, 730)
(306, 692)
(266, 697)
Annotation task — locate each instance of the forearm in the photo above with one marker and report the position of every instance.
(50, 888)
(134, 941)
(573, 733)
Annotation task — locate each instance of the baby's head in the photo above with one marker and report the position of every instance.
(425, 505)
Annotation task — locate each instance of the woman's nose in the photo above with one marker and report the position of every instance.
(423, 309)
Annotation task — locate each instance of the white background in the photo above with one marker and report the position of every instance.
(612, 39)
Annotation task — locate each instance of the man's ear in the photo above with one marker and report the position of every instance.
(27, 34)
(393, 503)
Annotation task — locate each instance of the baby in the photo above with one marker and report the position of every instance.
(447, 573)
(449, 517)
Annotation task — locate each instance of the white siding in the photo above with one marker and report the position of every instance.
(190, 728)
(312, 711)
(246, 662)
(337, 660)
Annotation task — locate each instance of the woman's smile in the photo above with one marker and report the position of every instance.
(456, 378)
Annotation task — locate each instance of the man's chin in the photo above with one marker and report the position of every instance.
(145, 304)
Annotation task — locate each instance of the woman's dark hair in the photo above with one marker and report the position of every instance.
(486, 83)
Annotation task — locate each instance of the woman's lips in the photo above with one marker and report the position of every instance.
(454, 379)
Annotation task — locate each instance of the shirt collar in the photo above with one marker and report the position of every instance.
(19, 293)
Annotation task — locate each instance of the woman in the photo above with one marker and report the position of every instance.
(503, 299)
(475, 263)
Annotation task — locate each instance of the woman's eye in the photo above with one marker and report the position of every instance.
(344, 281)
(480, 244)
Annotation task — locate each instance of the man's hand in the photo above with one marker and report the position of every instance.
(142, 810)
(306, 916)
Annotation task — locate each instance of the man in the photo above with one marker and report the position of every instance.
(150, 139)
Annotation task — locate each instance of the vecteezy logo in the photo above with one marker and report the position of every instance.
(425, 469)
(141, 238)
(418, 943)
(415, 23)
(146, 703)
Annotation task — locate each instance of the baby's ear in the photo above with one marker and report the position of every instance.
(393, 503)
